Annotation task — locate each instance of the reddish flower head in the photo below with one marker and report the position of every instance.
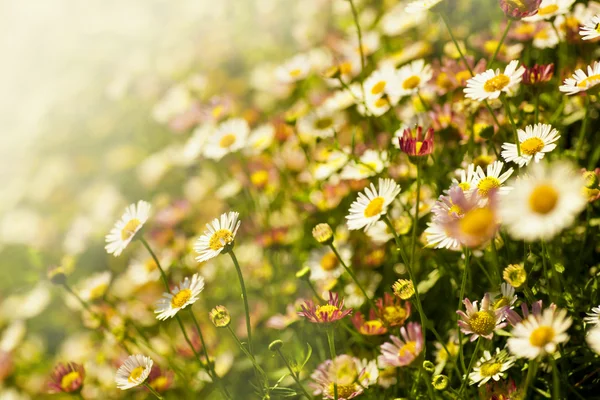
(393, 310)
(417, 144)
(371, 327)
(67, 378)
(538, 74)
(331, 312)
(517, 9)
(160, 380)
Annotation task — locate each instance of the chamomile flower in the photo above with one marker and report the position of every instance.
(544, 202)
(260, 139)
(549, 9)
(218, 234)
(372, 204)
(506, 298)
(591, 29)
(439, 237)
(593, 339)
(320, 123)
(340, 373)
(491, 367)
(411, 78)
(492, 179)
(580, 81)
(125, 229)
(230, 136)
(593, 317)
(467, 178)
(480, 321)
(94, 287)
(324, 264)
(535, 141)
(491, 84)
(369, 164)
(539, 335)
(293, 70)
(133, 372)
(421, 5)
(381, 82)
(182, 296)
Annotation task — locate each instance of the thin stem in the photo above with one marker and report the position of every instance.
(512, 122)
(154, 392)
(245, 296)
(416, 219)
(531, 373)
(296, 378)
(555, 379)
(245, 351)
(427, 380)
(537, 106)
(360, 45)
(497, 273)
(81, 301)
(471, 363)
(349, 271)
(162, 272)
(583, 128)
(189, 342)
(330, 340)
(459, 307)
(500, 43)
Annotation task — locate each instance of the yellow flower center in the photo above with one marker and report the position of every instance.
(455, 209)
(181, 298)
(344, 391)
(486, 184)
(329, 261)
(394, 315)
(525, 29)
(378, 87)
(136, 374)
(218, 111)
(552, 8)
(418, 146)
(501, 302)
(259, 178)
(149, 265)
(160, 384)
(541, 336)
(370, 326)
(452, 349)
(532, 146)
(295, 72)
(518, 4)
(381, 102)
(409, 347)
(130, 228)
(589, 81)
(227, 140)
(496, 83)
(483, 322)
(98, 291)
(543, 34)
(346, 68)
(374, 207)
(462, 76)
(68, 379)
(327, 309)
(465, 186)
(477, 223)
(411, 82)
(490, 369)
(220, 238)
(443, 81)
(543, 199)
(597, 29)
(323, 123)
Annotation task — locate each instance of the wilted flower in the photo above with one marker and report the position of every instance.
(67, 378)
(220, 317)
(331, 312)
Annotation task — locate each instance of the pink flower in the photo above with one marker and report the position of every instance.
(402, 352)
(418, 144)
(536, 309)
(517, 9)
(481, 322)
(331, 312)
(345, 372)
(371, 327)
(67, 378)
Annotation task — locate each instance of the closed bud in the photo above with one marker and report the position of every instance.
(220, 317)
(304, 273)
(404, 289)
(428, 366)
(591, 179)
(440, 382)
(56, 274)
(276, 345)
(515, 275)
(323, 233)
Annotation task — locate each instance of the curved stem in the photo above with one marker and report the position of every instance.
(471, 363)
(154, 392)
(512, 122)
(296, 377)
(189, 342)
(349, 271)
(162, 272)
(330, 340)
(500, 43)
(245, 296)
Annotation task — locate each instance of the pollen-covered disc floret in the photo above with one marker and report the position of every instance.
(134, 371)
(125, 229)
(402, 351)
(182, 296)
(218, 234)
(325, 314)
(534, 142)
(481, 321)
(372, 204)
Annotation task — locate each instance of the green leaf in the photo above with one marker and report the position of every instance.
(306, 358)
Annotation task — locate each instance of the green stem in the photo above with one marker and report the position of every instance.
(349, 271)
(246, 351)
(459, 307)
(500, 43)
(471, 364)
(497, 273)
(245, 296)
(296, 377)
(154, 392)
(189, 342)
(537, 106)
(360, 45)
(555, 379)
(427, 380)
(512, 122)
(416, 219)
(583, 128)
(330, 340)
(531, 373)
(162, 272)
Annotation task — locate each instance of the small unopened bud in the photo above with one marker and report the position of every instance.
(276, 345)
(304, 273)
(440, 382)
(220, 316)
(591, 179)
(404, 289)
(323, 233)
(515, 275)
(56, 274)
(332, 72)
(428, 366)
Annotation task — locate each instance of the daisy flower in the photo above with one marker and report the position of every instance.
(549, 9)
(439, 238)
(95, 286)
(545, 36)
(543, 202)
(331, 312)
(293, 70)
(513, 318)
(369, 371)
(125, 229)
(421, 5)
(535, 141)
(539, 335)
(411, 78)
(506, 298)
(218, 234)
(393, 310)
(593, 339)
(491, 84)
(381, 82)
(580, 81)
(320, 123)
(230, 136)
(593, 317)
(480, 321)
(260, 139)
(324, 264)
(591, 29)
(341, 372)
(369, 207)
(491, 367)
(402, 352)
(370, 163)
(133, 372)
(370, 327)
(182, 296)
(467, 178)
(492, 180)
(67, 378)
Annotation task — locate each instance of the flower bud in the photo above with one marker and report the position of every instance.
(515, 275)
(591, 179)
(276, 345)
(404, 289)
(56, 274)
(304, 273)
(428, 366)
(323, 233)
(440, 382)
(220, 317)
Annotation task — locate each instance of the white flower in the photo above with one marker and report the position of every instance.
(230, 136)
(491, 84)
(182, 296)
(324, 265)
(421, 5)
(543, 202)
(260, 139)
(580, 82)
(218, 234)
(489, 367)
(593, 317)
(492, 179)
(369, 207)
(133, 372)
(125, 229)
(539, 335)
(545, 37)
(591, 29)
(411, 78)
(95, 286)
(293, 70)
(370, 372)
(549, 9)
(320, 123)
(593, 339)
(369, 164)
(534, 142)
(439, 238)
